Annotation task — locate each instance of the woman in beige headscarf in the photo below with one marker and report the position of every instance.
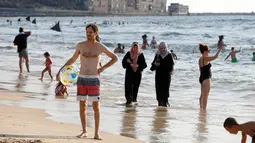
(163, 63)
(134, 63)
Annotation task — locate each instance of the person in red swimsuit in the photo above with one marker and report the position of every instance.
(48, 64)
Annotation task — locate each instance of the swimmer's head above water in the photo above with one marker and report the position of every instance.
(221, 37)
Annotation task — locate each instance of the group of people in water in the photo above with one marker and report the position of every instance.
(88, 84)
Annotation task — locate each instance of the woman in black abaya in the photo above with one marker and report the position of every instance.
(163, 64)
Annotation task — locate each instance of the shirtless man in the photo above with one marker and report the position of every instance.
(247, 128)
(233, 55)
(88, 84)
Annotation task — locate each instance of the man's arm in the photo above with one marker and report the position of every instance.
(15, 41)
(71, 60)
(238, 51)
(227, 57)
(110, 54)
(28, 33)
(244, 137)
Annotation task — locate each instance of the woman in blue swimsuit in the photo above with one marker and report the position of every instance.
(205, 73)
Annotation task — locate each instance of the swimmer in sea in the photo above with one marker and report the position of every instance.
(153, 43)
(233, 55)
(253, 57)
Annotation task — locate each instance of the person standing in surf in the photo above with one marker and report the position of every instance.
(88, 84)
(163, 64)
(153, 43)
(233, 55)
(134, 63)
(21, 41)
(221, 44)
(145, 42)
(205, 73)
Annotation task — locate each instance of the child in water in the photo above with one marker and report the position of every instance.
(48, 64)
(253, 58)
(60, 90)
(247, 128)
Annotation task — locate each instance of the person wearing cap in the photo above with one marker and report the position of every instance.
(134, 63)
(163, 64)
(21, 41)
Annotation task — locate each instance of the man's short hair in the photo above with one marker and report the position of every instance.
(21, 29)
(229, 122)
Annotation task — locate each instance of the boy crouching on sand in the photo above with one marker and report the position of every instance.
(247, 128)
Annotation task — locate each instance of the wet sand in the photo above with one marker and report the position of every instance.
(28, 125)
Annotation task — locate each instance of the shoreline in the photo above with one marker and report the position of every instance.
(28, 124)
(13, 12)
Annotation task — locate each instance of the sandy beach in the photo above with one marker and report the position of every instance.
(28, 125)
(232, 88)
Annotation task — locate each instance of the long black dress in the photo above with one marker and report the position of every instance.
(162, 77)
(133, 79)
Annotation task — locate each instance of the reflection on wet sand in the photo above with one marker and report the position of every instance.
(47, 88)
(159, 124)
(21, 81)
(201, 130)
(128, 122)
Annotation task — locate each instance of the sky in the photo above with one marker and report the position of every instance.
(217, 5)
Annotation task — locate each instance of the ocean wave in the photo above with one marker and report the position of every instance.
(248, 28)
(240, 20)
(207, 36)
(251, 41)
(7, 47)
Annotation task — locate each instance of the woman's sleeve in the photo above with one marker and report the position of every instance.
(153, 66)
(142, 64)
(125, 64)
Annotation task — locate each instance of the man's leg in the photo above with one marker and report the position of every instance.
(27, 64)
(20, 64)
(83, 107)
(96, 108)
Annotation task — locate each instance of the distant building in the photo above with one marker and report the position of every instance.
(152, 6)
(178, 9)
(129, 6)
(88, 5)
(160, 6)
(117, 6)
(101, 6)
(132, 6)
